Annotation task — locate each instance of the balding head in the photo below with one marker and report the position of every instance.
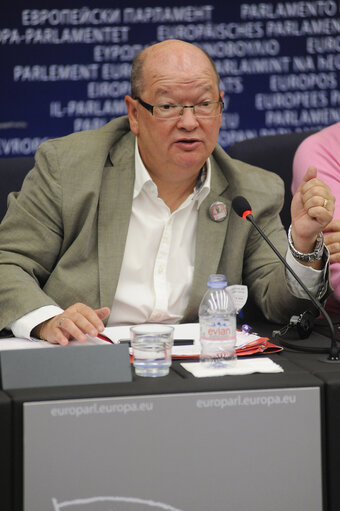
(182, 53)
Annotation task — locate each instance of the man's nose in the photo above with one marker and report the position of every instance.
(188, 119)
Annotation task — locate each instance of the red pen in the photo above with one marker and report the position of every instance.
(105, 338)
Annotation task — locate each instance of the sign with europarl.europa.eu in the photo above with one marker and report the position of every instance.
(175, 452)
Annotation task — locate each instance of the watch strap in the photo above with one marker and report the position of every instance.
(316, 255)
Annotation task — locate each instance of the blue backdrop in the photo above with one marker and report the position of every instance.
(65, 66)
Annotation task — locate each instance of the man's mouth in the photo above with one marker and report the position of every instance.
(188, 141)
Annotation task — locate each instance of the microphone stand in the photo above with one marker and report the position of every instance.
(334, 351)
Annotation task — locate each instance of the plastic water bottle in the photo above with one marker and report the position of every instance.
(217, 317)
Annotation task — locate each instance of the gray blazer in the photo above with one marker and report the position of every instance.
(62, 240)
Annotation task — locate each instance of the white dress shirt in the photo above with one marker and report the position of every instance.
(158, 263)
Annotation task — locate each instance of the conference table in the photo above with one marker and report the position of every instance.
(177, 443)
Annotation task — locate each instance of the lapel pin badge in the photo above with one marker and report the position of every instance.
(218, 211)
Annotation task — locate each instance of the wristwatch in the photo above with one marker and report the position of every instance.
(312, 256)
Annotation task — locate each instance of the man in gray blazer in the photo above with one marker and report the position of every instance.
(118, 224)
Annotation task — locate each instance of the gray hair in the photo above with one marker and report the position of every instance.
(137, 74)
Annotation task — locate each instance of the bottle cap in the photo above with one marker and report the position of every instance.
(217, 281)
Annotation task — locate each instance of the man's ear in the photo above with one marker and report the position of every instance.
(221, 96)
(131, 105)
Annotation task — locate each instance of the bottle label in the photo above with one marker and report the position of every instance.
(218, 337)
(218, 331)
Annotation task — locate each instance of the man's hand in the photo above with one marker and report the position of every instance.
(311, 211)
(332, 240)
(74, 323)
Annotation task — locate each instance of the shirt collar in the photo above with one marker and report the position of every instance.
(202, 188)
(143, 179)
(142, 176)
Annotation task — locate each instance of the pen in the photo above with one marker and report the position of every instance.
(104, 338)
(177, 342)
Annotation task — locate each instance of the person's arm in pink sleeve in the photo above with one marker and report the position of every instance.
(332, 240)
(322, 150)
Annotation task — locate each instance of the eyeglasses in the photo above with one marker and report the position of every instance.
(204, 110)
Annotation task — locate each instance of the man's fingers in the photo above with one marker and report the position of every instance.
(333, 226)
(94, 323)
(316, 189)
(103, 312)
(310, 174)
(52, 333)
(75, 322)
(334, 258)
(332, 238)
(318, 201)
(334, 248)
(320, 214)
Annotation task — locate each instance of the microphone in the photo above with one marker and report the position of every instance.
(242, 207)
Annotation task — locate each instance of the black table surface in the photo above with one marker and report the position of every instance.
(5, 450)
(329, 373)
(319, 365)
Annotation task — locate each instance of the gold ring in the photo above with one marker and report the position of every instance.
(60, 322)
(325, 202)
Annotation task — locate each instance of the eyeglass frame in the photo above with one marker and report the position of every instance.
(150, 108)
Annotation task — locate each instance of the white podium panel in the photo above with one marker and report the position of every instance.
(223, 451)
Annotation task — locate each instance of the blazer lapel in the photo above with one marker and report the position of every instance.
(114, 215)
(210, 241)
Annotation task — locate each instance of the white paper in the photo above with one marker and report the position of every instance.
(237, 367)
(184, 331)
(189, 331)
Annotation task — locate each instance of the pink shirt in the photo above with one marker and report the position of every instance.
(322, 150)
